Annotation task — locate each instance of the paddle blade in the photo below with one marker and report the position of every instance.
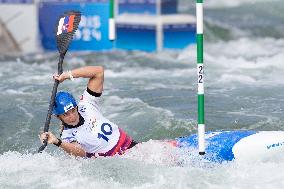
(66, 27)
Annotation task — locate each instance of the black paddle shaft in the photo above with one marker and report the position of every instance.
(63, 40)
(51, 103)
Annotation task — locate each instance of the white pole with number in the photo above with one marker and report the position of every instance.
(200, 71)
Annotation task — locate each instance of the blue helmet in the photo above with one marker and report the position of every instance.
(63, 102)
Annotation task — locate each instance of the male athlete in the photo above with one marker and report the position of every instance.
(86, 132)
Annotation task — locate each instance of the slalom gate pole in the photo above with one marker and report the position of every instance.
(111, 21)
(200, 74)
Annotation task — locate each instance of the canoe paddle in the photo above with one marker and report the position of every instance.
(66, 26)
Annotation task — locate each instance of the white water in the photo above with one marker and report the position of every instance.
(242, 86)
(136, 170)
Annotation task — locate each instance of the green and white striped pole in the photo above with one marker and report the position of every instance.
(111, 22)
(200, 71)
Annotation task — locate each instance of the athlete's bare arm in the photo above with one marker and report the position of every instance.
(73, 148)
(95, 73)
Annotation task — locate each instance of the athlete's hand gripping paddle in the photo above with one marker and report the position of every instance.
(65, 29)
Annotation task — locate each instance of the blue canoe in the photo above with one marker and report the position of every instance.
(237, 145)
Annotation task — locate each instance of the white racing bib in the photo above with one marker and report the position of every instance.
(97, 134)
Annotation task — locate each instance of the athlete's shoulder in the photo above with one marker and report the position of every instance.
(88, 102)
(90, 95)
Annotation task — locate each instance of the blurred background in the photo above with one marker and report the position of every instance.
(28, 26)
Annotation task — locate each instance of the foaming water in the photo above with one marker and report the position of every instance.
(254, 61)
(152, 101)
(143, 167)
(228, 20)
